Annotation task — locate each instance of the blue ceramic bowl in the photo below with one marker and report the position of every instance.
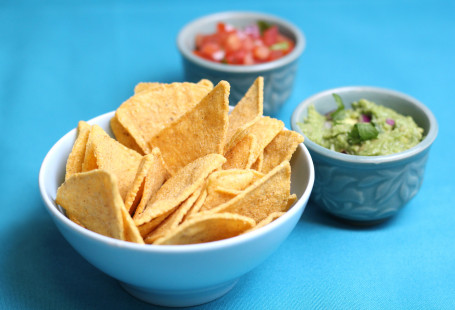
(367, 189)
(278, 75)
(173, 275)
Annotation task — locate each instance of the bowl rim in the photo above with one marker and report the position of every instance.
(271, 65)
(427, 141)
(58, 216)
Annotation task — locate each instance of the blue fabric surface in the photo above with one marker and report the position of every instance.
(61, 62)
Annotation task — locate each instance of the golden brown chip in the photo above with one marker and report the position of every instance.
(269, 194)
(208, 228)
(179, 187)
(199, 132)
(265, 130)
(245, 113)
(257, 165)
(280, 149)
(291, 200)
(76, 157)
(131, 232)
(173, 220)
(103, 152)
(123, 136)
(147, 228)
(147, 112)
(94, 200)
(148, 86)
(150, 176)
(242, 154)
(197, 205)
(269, 219)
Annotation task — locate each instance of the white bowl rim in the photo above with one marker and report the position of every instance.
(298, 49)
(366, 160)
(165, 249)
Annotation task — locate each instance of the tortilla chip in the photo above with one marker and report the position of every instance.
(197, 205)
(257, 165)
(174, 220)
(76, 157)
(208, 228)
(94, 200)
(148, 86)
(131, 232)
(242, 155)
(199, 132)
(280, 149)
(103, 152)
(147, 112)
(123, 136)
(269, 219)
(291, 200)
(269, 194)
(147, 228)
(245, 113)
(265, 130)
(150, 176)
(179, 187)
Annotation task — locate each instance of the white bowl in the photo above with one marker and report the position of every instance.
(182, 275)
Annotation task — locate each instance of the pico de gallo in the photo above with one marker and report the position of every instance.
(254, 44)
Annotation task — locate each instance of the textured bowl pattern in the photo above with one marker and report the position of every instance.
(365, 195)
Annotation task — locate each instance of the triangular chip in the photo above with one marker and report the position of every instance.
(130, 230)
(94, 200)
(208, 228)
(147, 86)
(76, 157)
(265, 130)
(179, 187)
(199, 132)
(246, 112)
(173, 220)
(242, 155)
(280, 149)
(269, 194)
(269, 219)
(103, 152)
(149, 111)
(150, 175)
(123, 136)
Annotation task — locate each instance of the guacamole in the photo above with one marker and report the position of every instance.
(366, 129)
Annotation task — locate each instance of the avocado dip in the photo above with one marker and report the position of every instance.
(367, 129)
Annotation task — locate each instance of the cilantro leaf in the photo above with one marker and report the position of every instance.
(263, 25)
(362, 132)
(339, 113)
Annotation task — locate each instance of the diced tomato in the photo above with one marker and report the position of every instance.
(261, 52)
(270, 36)
(243, 47)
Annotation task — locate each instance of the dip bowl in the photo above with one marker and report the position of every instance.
(367, 189)
(278, 74)
(173, 275)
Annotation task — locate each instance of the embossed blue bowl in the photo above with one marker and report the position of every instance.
(278, 75)
(367, 189)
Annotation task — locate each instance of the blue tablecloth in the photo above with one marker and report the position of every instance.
(61, 62)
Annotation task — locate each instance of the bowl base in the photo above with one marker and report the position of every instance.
(179, 298)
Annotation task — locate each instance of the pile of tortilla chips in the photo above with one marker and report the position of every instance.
(181, 169)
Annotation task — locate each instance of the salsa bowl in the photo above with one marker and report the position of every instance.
(278, 74)
(173, 275)
(367, 189)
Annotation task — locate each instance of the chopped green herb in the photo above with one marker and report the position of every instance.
(263, 25)
(362, 132)
(340, 113)
(280, 46)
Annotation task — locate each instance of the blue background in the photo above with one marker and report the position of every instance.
(65, 61)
